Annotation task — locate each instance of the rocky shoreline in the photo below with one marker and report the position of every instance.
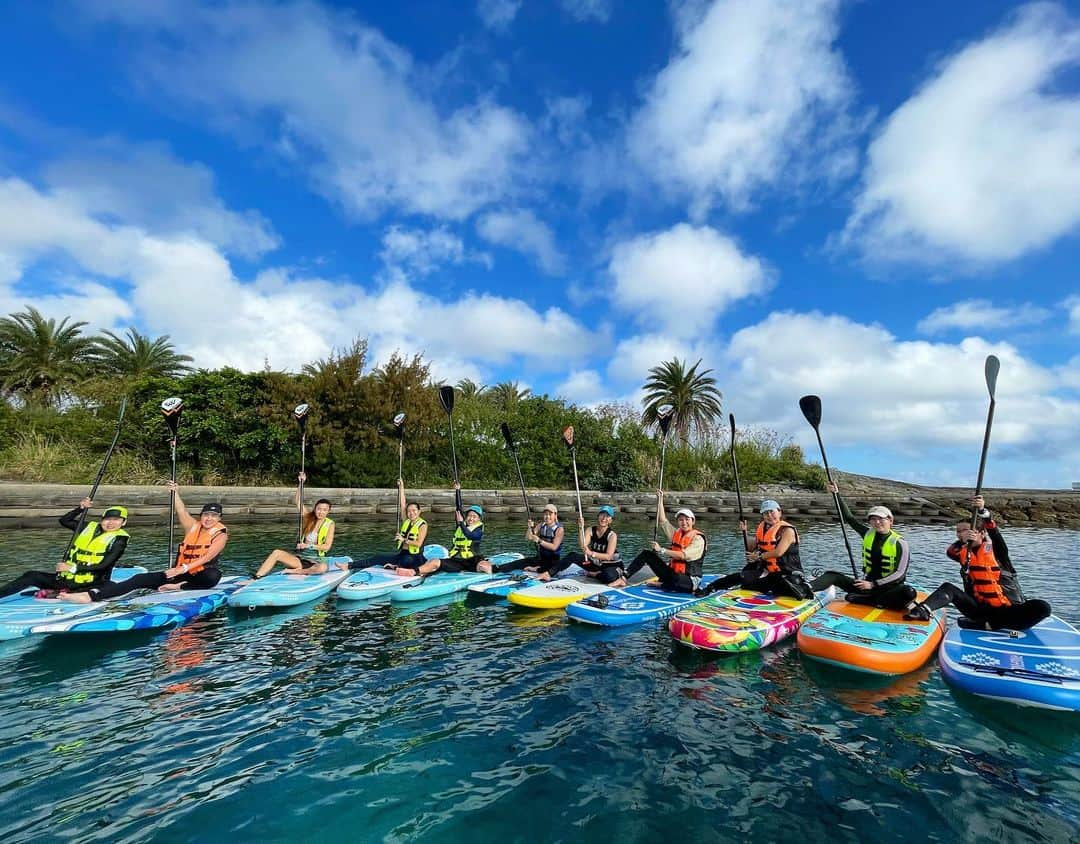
(39, 505)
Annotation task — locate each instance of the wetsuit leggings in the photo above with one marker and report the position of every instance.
(203, 579)
(1014, 617)
(792, 585)
(38, 580)
(399, 559)
(670, 580)
(524, 562)
(893, 597)
(453, 565)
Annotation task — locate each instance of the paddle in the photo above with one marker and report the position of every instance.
(992, 367)
(811, 408)
(300, 413)
(568, 438)
(97, 480)
(521, 479)
(446, 398)
(664, 414)
(171, 409)
(738, 488)
(399, 429)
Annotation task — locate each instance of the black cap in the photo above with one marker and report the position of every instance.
(212, 507)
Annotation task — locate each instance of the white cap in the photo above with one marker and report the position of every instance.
(884, 512)
(684, 511)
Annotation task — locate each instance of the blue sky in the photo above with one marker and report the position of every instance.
(856, 199)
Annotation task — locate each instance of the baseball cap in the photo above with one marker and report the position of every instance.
(551, 508)
(115, 513)
(684, 511)
(212, 507)
(476, 508)
(884, 512)
(607, 508)
(767, 505)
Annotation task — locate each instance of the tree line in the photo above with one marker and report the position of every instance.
(62, 388)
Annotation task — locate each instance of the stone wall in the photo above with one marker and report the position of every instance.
(39, 505)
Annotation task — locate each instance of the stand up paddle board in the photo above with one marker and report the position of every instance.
(741, 620)
(288, 590)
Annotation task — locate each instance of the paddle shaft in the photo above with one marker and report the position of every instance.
(663, 451)
(738, 486)
(521, 480)
(300, 488)
(836, 502)
(982, 460)
(453, 448)
(97, 480)
(400, 474)
(172, 495)
(577, 487)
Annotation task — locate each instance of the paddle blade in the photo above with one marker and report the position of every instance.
(446, 398)
(300, 414)
(568, 436)
(731, 419)
(170, 409)
(993, 366)
(664, 416)
(507, 435)
(811, 409)
(399, 425)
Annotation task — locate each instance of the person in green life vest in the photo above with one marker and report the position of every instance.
(317, 538)
(410, 538)
(885, 558)
(89, 563)
(468, 533)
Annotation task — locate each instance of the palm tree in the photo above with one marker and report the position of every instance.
(693, 394)
(507, 394)
(469, 389)
(137, 355)
(41, 361)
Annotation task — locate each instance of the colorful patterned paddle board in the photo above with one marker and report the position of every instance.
(741, 620)
(1035, 667)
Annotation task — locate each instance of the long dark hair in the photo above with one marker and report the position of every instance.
(310, 519)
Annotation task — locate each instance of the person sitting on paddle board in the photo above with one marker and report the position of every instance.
(885, 557)
(773, 563)
(469, 531)
(90, 562)
(410, 538)
(318, 538)
(600, 557)
(991, 597)
(688, 547)
(548, 537)
(196, 564)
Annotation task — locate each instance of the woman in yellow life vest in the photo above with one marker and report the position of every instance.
(196, 563)
(90, 562)
(991, 597)
(317, 538)
(468, 532)
(410, 538)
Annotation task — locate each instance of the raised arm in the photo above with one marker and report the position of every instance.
(186, 521)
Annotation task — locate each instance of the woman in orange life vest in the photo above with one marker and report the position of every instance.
(196, 564)
(991, 597)
(772, 560)
(318, 538)
(94, 552)
(688, 547)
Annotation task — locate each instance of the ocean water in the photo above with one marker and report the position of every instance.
(460, 722)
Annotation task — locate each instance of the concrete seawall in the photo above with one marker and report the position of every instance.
(39, 505)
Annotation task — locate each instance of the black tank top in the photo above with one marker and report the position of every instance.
(598, 544)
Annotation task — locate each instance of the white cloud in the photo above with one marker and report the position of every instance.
(583, 387)
(352, 109)
(522, 230)
(754, 93)
(1072, 306)
(588, 10)
(982, 164)
(421, 252)
(497, 14)
(975, 315)
(147, 186)
(683, 277)
(156, 281)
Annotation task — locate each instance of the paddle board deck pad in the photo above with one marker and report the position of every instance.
(374, 582)
(555, 594)
(508, 583)
(741, 620)
(20, 612)
(152, 611)
(440, 583)
(1035, 667)
(633, 604)
(869, 639)
(289, 590)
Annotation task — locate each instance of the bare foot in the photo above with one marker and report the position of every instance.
(75, 597)
(618, 584)
(405, 572)
(170, 587)
(343, 566)
(544, 577)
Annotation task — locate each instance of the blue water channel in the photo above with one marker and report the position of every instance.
(462, 722)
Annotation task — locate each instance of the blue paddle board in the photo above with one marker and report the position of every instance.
(1035, 667)
(288, 590)
(633, 604)
(20, 612)
(377, 581)
(152, 611)
(441, 583)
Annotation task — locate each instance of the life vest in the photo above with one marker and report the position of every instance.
(195, 544)
(465, 548)
(411, 531)
(87, 551)
(883, 561)
(982, 576)
(767, 540)
(680, 541)
(547, 533)
(320, 538)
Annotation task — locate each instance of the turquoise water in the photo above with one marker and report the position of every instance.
(339, 722)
